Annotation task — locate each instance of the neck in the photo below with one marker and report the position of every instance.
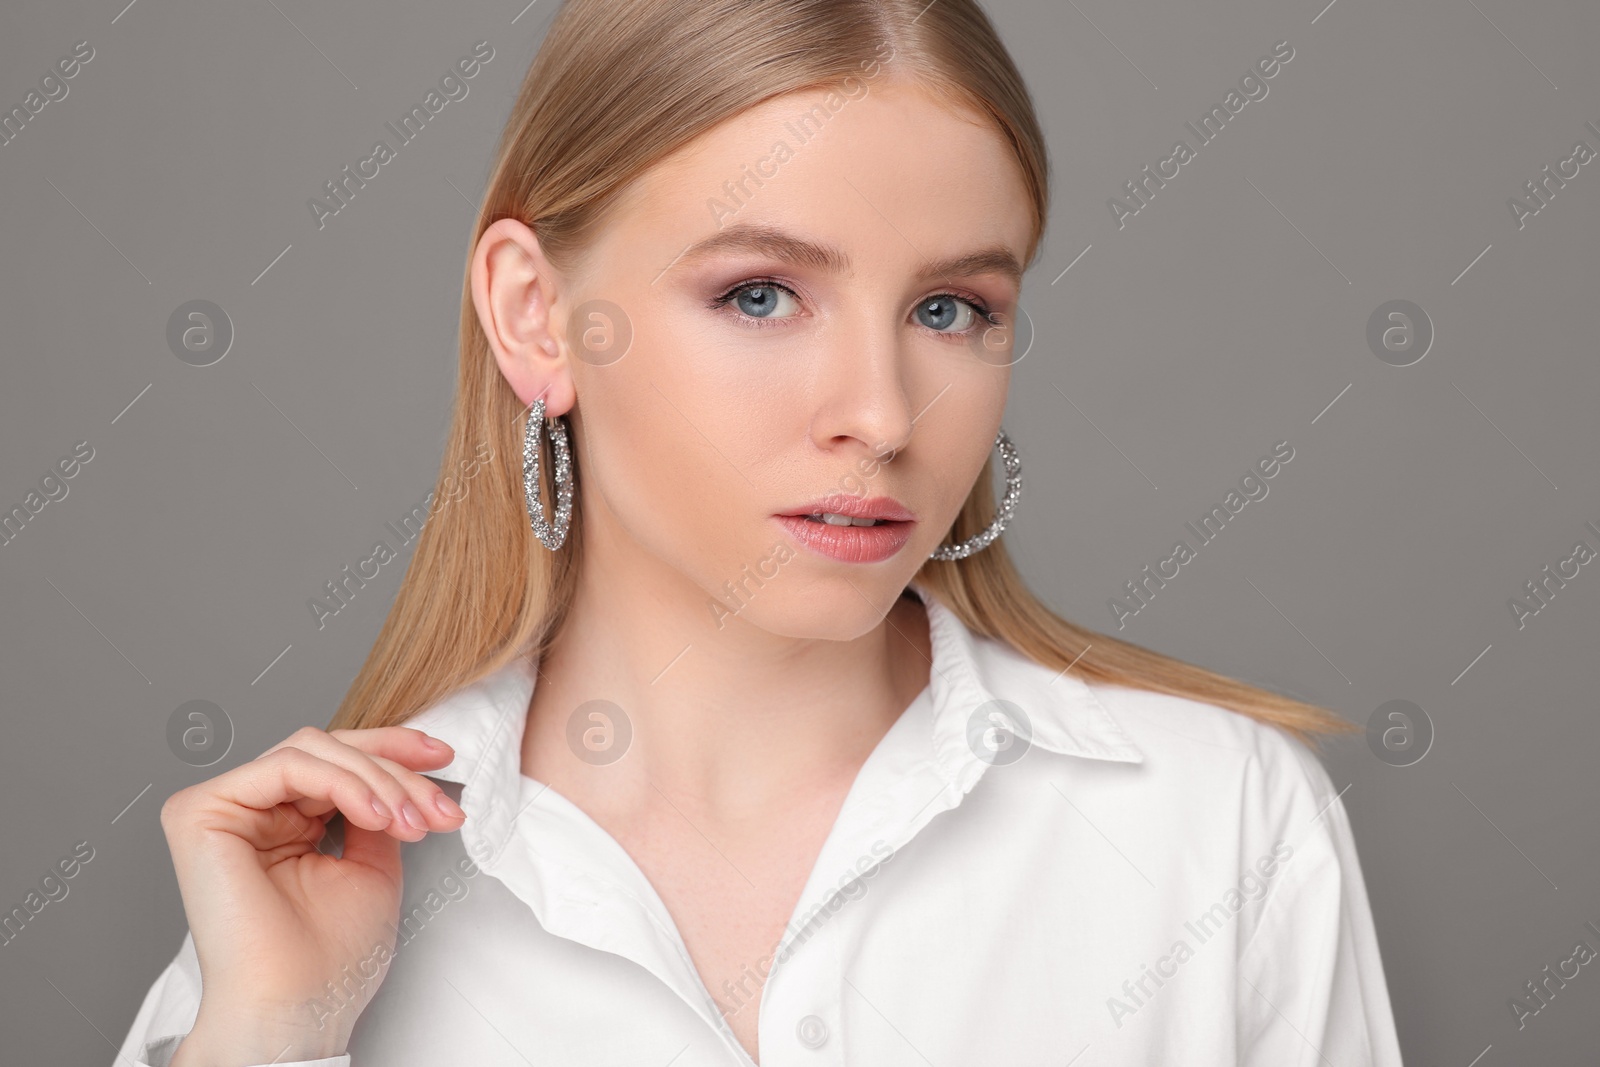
(735, 720)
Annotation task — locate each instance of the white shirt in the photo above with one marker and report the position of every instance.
(1126, 877)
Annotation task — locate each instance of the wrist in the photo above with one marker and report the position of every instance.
(240, 1041)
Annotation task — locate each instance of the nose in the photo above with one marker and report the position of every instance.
(863, 400)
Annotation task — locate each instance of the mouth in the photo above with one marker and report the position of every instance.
(831, 518)
(841, 509)
(851, 529)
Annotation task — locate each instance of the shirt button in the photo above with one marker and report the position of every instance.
(812, 1031)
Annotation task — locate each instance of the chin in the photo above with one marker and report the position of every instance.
(833, 607)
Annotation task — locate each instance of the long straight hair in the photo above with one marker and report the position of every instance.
(615, 87)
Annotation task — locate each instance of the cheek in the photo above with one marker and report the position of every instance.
(956, 435)
(680, 450)
(971, 463)
(636, 454)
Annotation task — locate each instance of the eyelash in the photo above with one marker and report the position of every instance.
(726, 298)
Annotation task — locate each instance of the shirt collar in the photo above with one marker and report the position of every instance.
(975, 684)
(975, 677)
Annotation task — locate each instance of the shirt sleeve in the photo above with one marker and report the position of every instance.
(168, 1013)
(1311, 983)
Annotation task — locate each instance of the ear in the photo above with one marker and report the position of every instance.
(513, 290)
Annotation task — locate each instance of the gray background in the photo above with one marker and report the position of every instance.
(1229, 314)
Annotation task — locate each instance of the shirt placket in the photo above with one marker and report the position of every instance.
(800, 1023)
(899, 790)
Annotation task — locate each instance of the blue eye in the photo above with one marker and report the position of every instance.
(944, 309)
(760, 300)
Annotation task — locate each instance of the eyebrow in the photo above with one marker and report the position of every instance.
(780, 244)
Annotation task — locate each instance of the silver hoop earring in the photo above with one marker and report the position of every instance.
(1008, 505)
(553, 533)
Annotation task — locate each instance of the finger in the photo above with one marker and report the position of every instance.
(403, 792)
(291, 774)
(403, 744)
(430, 798)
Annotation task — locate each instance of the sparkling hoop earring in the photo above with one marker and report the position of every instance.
(1008, 505)
(553, 533)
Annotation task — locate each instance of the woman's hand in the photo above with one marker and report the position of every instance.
(273, 919)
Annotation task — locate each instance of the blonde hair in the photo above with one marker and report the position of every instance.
(616, 86)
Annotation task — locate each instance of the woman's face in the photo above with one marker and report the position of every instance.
(785, 342)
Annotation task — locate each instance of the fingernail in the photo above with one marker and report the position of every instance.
(434, 743)
(382, 809)
(413, 816)
(449, 807)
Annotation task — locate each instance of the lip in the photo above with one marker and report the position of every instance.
(849, 544)
(886, 508)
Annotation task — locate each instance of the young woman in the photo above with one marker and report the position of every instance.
(756, 747)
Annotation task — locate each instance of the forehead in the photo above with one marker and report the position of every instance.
(893, 162)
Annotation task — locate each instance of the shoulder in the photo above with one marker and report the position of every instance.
(1170, 757)
(1257, 796)
(1193, 741)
